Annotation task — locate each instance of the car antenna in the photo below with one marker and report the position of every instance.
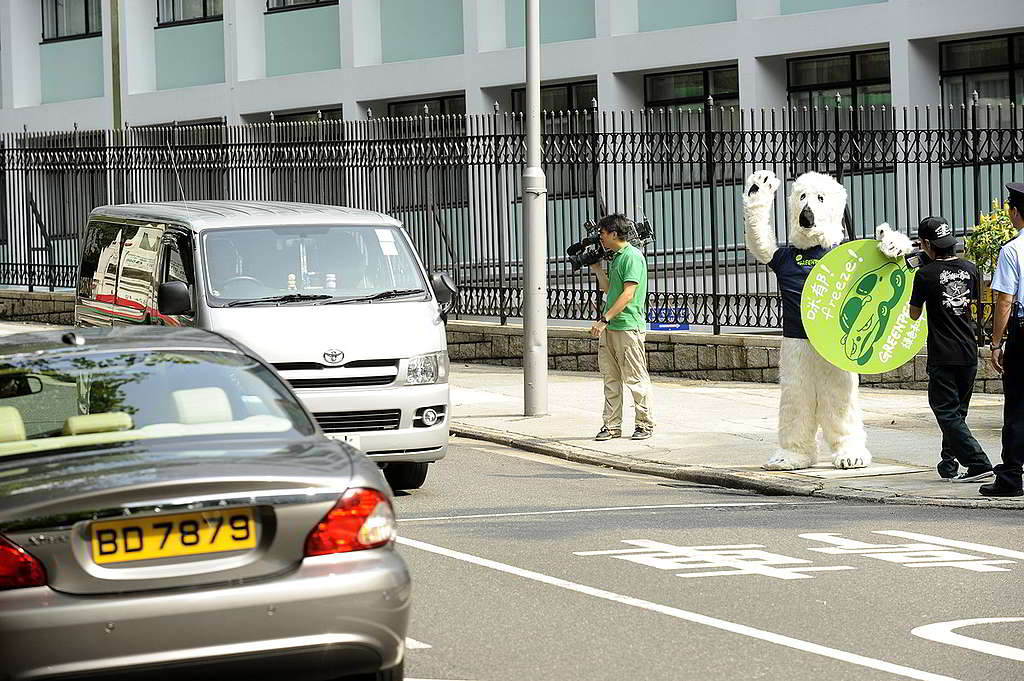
(177, 179)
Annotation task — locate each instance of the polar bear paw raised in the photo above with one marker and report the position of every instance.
(760, 188)
(891, 243)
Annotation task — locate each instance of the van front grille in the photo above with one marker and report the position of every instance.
(349, 382)
(354, 421)
(358, 364)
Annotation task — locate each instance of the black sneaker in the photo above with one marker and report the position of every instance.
(972, 474)
(994, 489)
(642, 433)
(947, 469)
(605, 434)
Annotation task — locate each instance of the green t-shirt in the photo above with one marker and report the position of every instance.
(629, 264)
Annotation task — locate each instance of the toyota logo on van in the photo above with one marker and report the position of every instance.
(334, 356)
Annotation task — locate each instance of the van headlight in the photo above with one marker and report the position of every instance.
(428, 369)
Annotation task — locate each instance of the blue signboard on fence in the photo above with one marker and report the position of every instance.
(668, 319)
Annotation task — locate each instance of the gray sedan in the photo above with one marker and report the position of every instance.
(168, 509)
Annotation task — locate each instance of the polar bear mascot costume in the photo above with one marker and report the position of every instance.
(814, 393)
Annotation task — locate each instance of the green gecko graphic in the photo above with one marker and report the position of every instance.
(864, 324)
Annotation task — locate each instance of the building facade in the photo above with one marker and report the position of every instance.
(242, 60)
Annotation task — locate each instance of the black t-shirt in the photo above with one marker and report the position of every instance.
(945, 289)
(791, 266)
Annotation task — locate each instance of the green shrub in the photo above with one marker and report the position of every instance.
(983, 243)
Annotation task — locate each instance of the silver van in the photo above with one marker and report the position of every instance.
(335, 298)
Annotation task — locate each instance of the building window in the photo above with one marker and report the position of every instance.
(419, 186)
(71, 19)
(436, 106)
(992, 67)
(559, 97)
(860, 78)
(566, 122)
(186, 11)
(310, 116)
(676, 102)
(690, 89)
(278, 5)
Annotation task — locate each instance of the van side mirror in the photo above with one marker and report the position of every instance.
(173, 298)
(20, 385)
(444, 289)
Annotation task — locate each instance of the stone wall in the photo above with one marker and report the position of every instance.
(729, 357)
(25, 306)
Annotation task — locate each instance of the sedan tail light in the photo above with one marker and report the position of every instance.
(362, 519)
(19, 568)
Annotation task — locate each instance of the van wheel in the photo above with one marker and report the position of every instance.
(405, 475)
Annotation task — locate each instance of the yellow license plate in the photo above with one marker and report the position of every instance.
(169, 536)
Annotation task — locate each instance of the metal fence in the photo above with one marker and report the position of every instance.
(455, 183)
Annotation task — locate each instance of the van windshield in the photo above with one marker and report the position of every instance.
(304, 264)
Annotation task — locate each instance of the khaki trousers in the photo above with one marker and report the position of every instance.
(623, 361)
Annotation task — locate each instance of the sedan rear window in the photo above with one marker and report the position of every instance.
(71, 400)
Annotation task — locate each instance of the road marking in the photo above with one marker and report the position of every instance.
(942, 632)
(729, 559)
(966, 545)
(614, 508)
(686, 615)
(413, 644)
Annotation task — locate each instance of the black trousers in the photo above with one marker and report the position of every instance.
(1008, 473)
(949, 395)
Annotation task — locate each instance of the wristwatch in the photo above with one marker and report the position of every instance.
(993, 347)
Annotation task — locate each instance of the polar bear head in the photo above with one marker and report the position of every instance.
(816, 206)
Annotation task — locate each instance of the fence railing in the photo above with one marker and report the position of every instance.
(455, 182)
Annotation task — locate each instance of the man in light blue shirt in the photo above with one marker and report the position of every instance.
(1008, 354)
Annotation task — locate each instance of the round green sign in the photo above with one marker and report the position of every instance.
(855, 309)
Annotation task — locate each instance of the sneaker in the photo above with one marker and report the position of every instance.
(605, 434)
(994, 489)
(948, 469)
(642, 433)
(972, 474)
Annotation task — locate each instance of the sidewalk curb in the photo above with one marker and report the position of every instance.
(771, 484)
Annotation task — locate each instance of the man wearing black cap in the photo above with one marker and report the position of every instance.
(946, 287)
(1008, 353)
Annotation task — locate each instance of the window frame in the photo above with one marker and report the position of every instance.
(570, 85)
(1012, 67)
(853, 84)
(206, 18)
(443, 101)
(292, 8)
(73, 36)
(332, 113)
(693, 99)
(667, 176)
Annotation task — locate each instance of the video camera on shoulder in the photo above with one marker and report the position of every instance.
(588, 250)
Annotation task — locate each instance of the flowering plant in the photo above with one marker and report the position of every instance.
(983, 243)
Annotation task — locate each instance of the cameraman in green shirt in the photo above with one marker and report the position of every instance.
(622, 329)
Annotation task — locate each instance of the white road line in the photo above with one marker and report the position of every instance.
(694, 617)
(953, 543)
(413, 644)
(942, 632)
(614, 508)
